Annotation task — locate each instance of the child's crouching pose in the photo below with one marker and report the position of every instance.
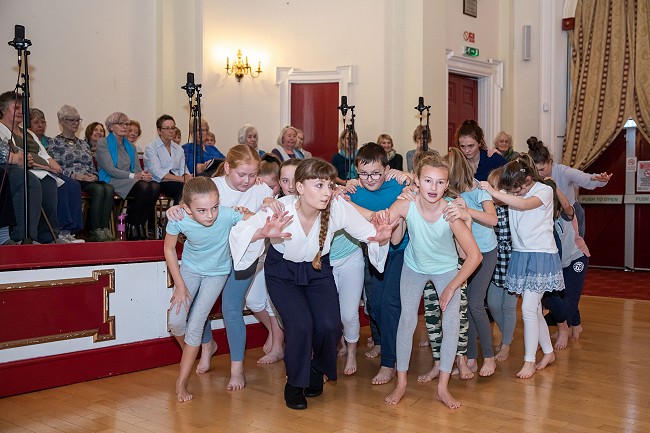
(431, 256)
(535, 265)
(203, 273)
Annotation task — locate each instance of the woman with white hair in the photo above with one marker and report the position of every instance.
(286, 145)
(119, 166)
(248, 135)
(76, 160)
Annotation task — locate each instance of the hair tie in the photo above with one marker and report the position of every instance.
(523, 170)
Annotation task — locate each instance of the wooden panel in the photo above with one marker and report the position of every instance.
(314, 110)
(462, 103)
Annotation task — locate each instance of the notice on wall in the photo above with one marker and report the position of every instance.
(643, 177)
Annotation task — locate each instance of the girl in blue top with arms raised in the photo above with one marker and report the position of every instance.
(431, 256)
(203, 273)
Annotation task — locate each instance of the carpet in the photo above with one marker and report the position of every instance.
(617, 284)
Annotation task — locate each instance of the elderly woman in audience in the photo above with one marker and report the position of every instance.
(395, 160)
(286, 144)
(503, 145)
(248, 135)
(76, 160)
(38, 126)
(42, 186)
(93, 133)
(119, 166)
(165, 160)
(205, 155)
(135, 131)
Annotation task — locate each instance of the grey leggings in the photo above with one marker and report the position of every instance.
(503, 307)
(411, 287)
(479, 323)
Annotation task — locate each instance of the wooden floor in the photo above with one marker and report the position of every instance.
(601, 383)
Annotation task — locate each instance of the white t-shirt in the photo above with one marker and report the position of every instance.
(301, 246)
(252, 199)
(532, 230)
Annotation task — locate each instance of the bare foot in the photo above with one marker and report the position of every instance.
(424, 343)
(268, 344)
(447, 399)
(350, 365)
(554, 335)
(431, 374)
(488, 367)
(575, 332)
(370, 342)
(463, 368)
(182, 395)
(527, 371)
(374, 352)
(384, 375)
(546, 360)
(397, 394)
(503, 353)
(237, 378)
(343, 351)
(563, 336)
(207, 350)
(271, 357)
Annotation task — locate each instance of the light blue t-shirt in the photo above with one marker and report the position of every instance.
(431, 249)
(484, 235)
(343, 245)
(206, 249)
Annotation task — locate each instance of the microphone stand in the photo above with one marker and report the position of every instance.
(21, 44)
(425, 132)
(195, 116)
(349, 128)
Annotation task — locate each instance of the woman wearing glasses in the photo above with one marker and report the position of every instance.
(119, 166)
(165, 160)
(76, 160)
(344, 159)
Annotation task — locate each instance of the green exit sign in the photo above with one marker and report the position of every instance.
(471, 51)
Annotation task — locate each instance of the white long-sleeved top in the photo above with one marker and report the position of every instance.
(301, 246)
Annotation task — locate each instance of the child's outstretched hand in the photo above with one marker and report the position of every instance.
(351, 186)
(408, 193)
(384, 228)
(180, 297)
(601, 177)
(175, 213)
(445, 297)
(275, 224)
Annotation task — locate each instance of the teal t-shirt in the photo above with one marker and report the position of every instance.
(343, 245)
(484, 235)
(206, 249)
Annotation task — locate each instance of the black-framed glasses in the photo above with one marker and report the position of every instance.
(373, 176)
(168, 128)
(73, 119)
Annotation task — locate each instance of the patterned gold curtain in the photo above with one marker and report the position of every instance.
(610, 76)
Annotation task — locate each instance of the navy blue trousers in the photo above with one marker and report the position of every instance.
(308, 304)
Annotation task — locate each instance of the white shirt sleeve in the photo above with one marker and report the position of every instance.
(244, 252)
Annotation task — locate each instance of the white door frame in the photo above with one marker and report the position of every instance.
(490, 84)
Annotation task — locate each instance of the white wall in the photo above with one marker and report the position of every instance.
(133, 56)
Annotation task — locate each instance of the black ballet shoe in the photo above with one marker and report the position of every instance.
(132, 233)
(315, 383)
(294, 397)
(142, 232)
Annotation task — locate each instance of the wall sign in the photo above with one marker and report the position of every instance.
(470, 7)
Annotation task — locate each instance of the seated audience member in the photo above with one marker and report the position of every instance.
(343, 161)
(7, 216)
(135, 131)
(94, 132)
(41, 183)
(119, 166)
(206, 153)
(285, 147)
(417, 139)
(248, 135)
(503, 145)
(300, 140)
(177, 135)
(38, 125)
(165, 160)
(395, 160)
(76, 160)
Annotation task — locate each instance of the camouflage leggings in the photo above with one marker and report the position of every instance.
(434, 325)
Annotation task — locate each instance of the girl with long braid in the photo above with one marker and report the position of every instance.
(298, 273)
